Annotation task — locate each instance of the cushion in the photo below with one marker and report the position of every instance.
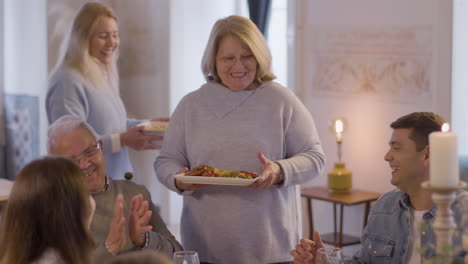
(464, 168)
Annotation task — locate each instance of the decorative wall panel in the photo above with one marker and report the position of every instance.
(22, 132)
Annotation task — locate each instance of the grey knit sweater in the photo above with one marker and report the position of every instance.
(222, 128)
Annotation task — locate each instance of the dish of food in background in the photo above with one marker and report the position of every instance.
(154, 127)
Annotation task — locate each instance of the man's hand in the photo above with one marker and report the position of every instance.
(138, 220)
(117, 237)
(270, 175)
(306, 250)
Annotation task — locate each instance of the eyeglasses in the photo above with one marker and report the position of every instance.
(231, 60)
(87, 153)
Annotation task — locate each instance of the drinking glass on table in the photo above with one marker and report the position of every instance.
(329, 256)
(186, 257)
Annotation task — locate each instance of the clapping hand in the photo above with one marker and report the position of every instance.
(306, 250)
(117, 236)
(138, 220)
(269, 176)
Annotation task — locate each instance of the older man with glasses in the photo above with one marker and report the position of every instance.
(123, 208)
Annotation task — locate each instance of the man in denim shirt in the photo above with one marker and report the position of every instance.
(399, 228)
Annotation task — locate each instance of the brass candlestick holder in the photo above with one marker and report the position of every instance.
(339, 178)
(444, 223)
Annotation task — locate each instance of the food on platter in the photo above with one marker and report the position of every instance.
(208, 171)
(211, 180)
(154, 125)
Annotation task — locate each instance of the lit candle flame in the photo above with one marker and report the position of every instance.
(445, 127)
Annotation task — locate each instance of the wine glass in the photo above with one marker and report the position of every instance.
(329, 256)
(186, 257)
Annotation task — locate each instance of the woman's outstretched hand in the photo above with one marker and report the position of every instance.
(135, 139)
(269, 176)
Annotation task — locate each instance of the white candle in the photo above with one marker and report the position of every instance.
(443, 148)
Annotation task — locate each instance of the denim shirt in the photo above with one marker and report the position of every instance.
(385, 238)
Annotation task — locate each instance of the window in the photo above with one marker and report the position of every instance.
(459, 76)
(278, 41)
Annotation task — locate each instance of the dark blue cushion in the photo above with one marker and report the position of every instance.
(464, 168)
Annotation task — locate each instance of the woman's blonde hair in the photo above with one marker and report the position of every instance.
(48, 208)
(248, 33)
(76, 54)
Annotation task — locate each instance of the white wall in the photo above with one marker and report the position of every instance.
(319, 30)
(460, 78)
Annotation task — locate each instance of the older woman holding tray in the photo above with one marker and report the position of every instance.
(240, 120)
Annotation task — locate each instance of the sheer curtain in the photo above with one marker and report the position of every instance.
(2, 84)
(2, 131)
(23, 79)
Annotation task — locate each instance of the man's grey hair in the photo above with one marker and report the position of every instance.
(64, 125)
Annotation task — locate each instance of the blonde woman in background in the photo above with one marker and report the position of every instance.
(85, 83)
(48, 215)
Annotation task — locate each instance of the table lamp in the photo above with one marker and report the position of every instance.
(339, 178)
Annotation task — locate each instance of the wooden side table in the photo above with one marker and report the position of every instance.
(355, 197)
